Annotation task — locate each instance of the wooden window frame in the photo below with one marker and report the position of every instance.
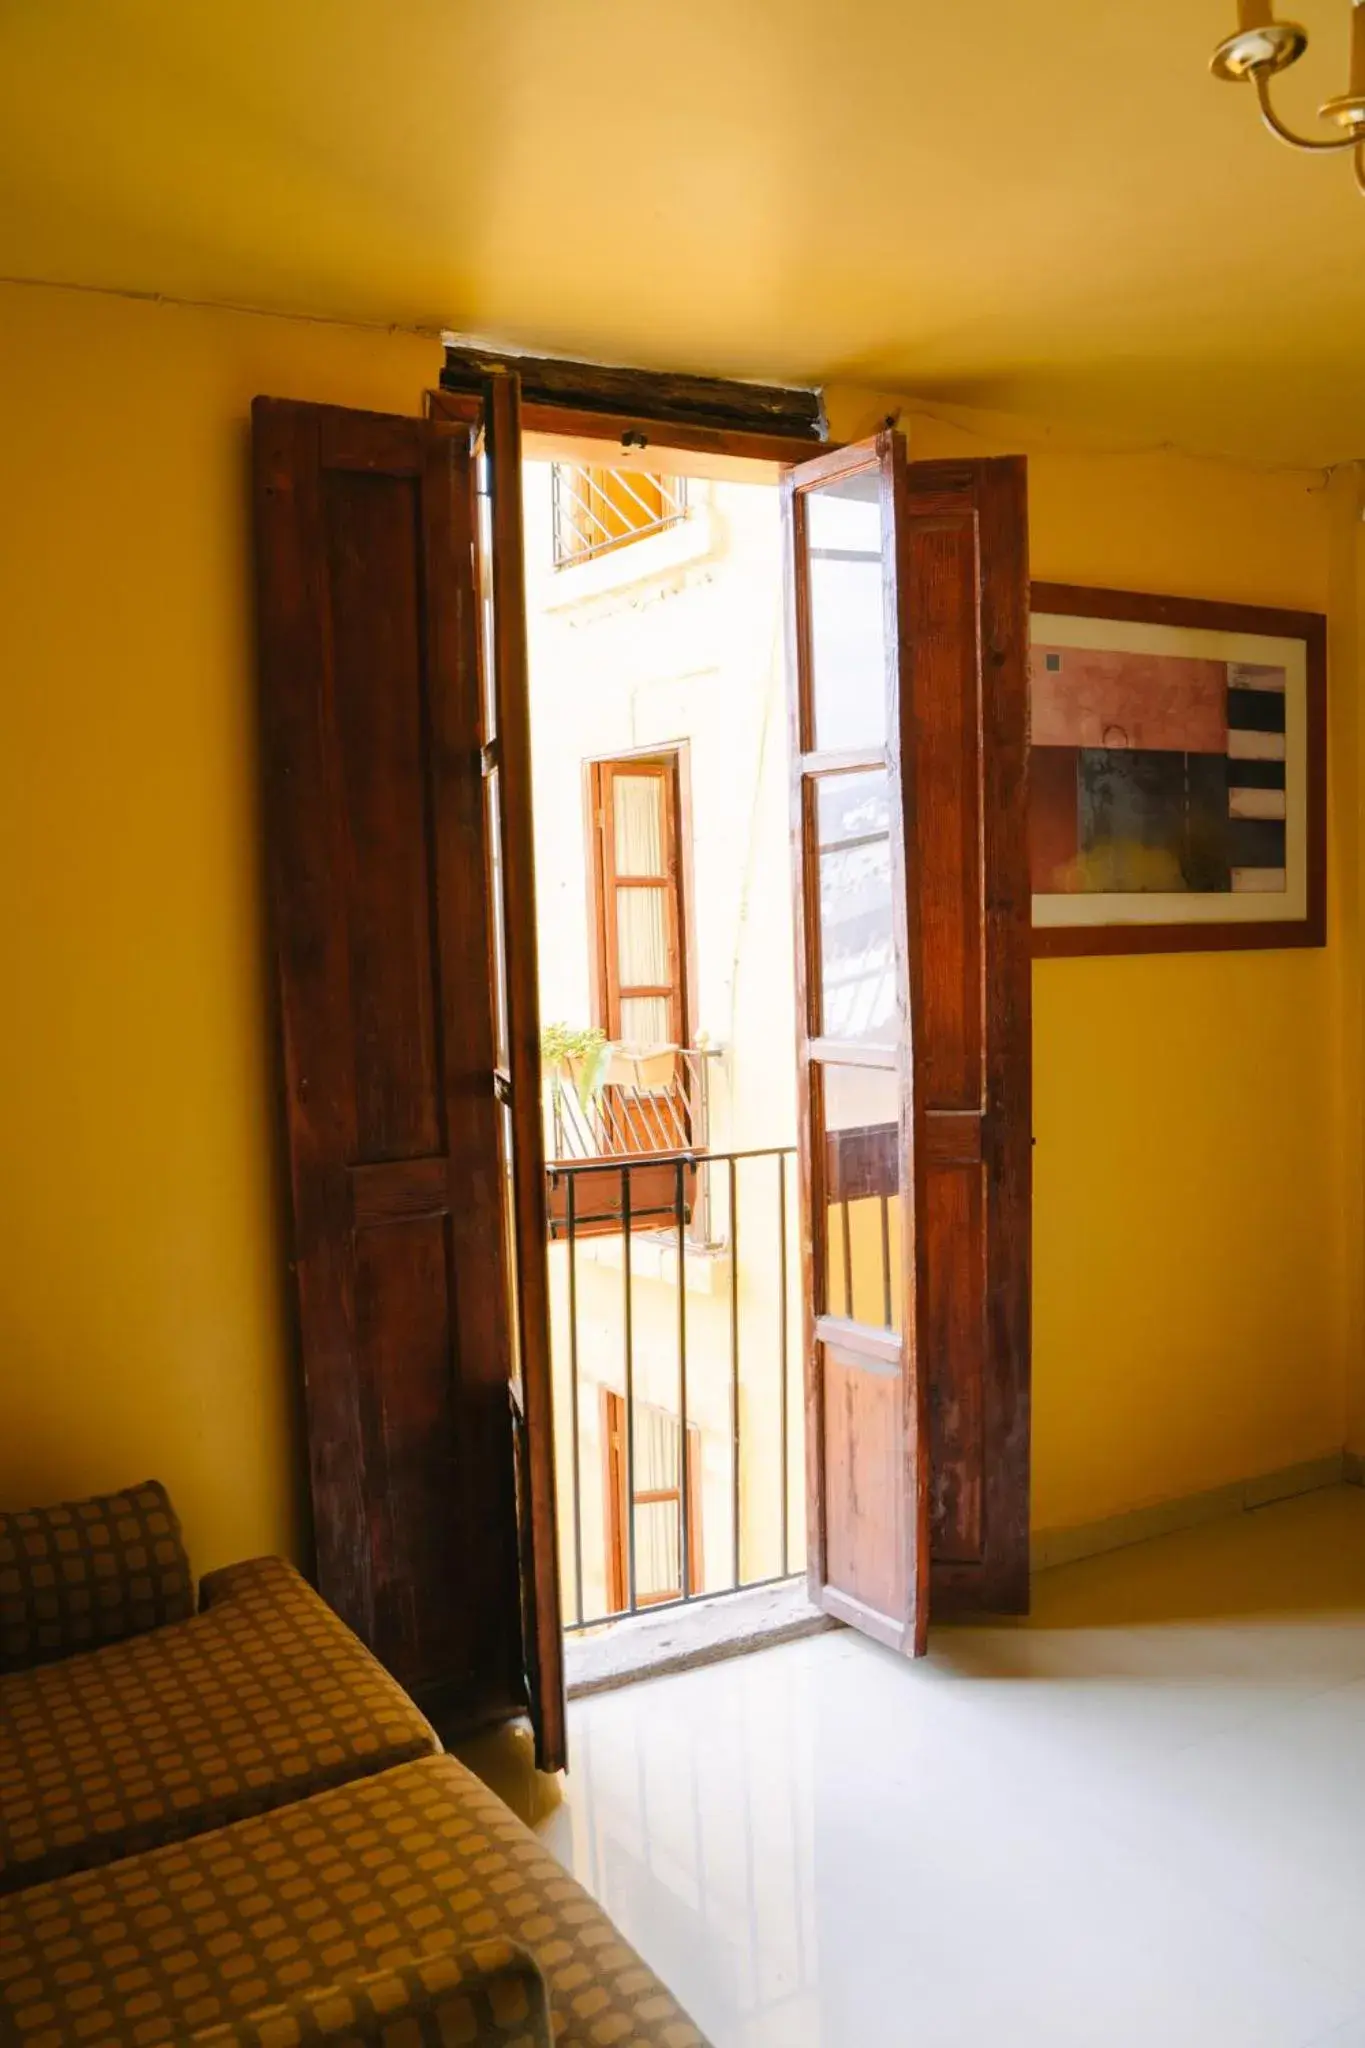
(673, 765)
(614, 1483)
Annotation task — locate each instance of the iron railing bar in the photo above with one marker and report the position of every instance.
(582, 504)
(782, 1349)
(638, 1122)
(663, 1606)
(684, 1152)
(580, 512)
(653, 513)
(630, 1393)
(676, 1129)
(646, 1109)
(578, 1121)
(662, 1106)
(609, 1109)
(626, 1131)
(684, 1477)
(584, 508)
(611, 524)
(570, 1219)
(570, 505)
(621, 477)
(672, 494)
(630, 1109)
(734, 1367)
(564, 1106)
(680, 1565)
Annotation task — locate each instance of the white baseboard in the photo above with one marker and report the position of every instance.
(1163, 1518)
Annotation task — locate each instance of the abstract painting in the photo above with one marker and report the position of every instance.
(1176, 773)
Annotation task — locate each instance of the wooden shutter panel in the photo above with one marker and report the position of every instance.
(617, 984)
(963, 574)
(378, 893)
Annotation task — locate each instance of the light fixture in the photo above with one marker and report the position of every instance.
(1262, 46)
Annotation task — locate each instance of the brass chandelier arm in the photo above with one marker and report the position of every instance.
(1317, 142)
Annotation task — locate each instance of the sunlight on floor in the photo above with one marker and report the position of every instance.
(1137, 1818)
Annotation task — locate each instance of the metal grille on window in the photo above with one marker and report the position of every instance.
(596, 510)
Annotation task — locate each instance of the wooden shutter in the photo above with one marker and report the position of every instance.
(962, 571)
(377, 880)
(626, 996)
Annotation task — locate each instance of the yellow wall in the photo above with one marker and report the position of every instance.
(1193, 1318)
(1190, 1265)
(1346, 654)
(139, 1329)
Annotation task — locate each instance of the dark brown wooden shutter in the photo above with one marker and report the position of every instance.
(380, 938)
(963, 576)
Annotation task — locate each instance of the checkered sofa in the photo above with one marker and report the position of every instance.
(232, 1826)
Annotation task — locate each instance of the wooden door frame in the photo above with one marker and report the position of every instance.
(509, 695)
(561, 430)
(641, 442)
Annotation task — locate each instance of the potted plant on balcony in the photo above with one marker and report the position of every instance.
(578, 1054)
(606, 1102)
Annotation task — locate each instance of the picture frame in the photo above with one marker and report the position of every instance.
(1178, 781)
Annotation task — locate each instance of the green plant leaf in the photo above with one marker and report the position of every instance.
(592, 1074)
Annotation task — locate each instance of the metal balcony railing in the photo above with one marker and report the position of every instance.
(651, 1102)
(664, 1462)
(596, 510)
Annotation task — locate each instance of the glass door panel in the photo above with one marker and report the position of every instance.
(869, 1556)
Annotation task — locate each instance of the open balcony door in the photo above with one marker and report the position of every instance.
(397, 820)
(908, 668)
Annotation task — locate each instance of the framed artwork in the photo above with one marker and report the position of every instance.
(1178, 774)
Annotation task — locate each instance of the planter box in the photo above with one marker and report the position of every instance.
(598, 1199)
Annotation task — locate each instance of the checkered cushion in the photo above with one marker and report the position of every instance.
(233, 1930)
(89, 1572)
(492, 1994)
(263, 1698)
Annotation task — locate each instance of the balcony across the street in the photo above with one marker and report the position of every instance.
(677, 1377)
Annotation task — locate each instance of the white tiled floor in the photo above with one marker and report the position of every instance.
(1139, 1819)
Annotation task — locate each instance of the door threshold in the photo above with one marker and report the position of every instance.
(703, 1632)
